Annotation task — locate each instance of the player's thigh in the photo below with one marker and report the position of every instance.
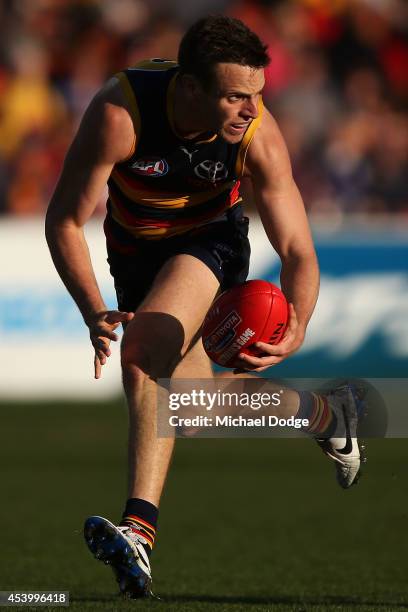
(184, 288)
(171, 314)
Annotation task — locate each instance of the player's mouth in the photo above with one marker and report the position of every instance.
(239, 128)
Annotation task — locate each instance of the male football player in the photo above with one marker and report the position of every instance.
(172, 141)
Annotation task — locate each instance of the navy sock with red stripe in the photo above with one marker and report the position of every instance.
(315, 408)
(141, 516)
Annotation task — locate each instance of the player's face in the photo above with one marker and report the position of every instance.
(232, 102)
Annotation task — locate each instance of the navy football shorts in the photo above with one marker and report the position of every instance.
(222, 245)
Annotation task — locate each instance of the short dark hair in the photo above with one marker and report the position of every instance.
(215, 39)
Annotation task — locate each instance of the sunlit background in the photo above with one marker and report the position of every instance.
(338, 87)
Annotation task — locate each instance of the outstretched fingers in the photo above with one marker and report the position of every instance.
(102, 333)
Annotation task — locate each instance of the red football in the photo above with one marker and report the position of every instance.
(255, 311)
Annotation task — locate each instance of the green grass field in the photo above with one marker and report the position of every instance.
(245, 524)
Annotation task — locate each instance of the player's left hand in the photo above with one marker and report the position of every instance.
(101, 331)
(274, 353)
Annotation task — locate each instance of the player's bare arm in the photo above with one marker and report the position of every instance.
(105, 136)
(284, 218)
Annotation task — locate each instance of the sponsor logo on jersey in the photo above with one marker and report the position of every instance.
(211, 170)
(189, 153)
(152, 166)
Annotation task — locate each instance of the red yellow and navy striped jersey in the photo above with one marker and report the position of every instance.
(169, 184)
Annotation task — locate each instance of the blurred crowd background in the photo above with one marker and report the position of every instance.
(337, 84)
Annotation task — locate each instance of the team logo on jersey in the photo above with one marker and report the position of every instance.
(152, 166)
(211, 170)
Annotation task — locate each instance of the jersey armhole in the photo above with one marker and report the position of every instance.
(134, 110)
(246, 141)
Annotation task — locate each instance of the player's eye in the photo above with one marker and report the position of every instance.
(234, 98)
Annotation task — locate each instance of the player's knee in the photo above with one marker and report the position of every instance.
(133, 377)
(154, 360)
(152, 346)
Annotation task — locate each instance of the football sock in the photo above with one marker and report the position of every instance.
(141, 516)
(315, 408)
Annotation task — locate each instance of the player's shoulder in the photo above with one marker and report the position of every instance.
(111, 105)
(108, 122)
(268, 133)
(117, 95)
(267, 146)
(113, 114)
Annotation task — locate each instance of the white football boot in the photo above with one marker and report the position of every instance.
(344, 447)
(123, 549)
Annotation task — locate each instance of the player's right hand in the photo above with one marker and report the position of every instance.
(272, 354)
(101, 332)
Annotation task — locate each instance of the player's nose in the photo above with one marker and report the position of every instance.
(250, 109)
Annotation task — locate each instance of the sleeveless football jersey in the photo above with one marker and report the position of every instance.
(169, 185)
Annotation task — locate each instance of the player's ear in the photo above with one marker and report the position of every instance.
(191, 85)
